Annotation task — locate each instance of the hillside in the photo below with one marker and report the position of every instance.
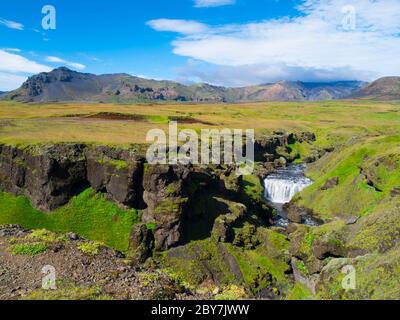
(384, 89)
(63, 84)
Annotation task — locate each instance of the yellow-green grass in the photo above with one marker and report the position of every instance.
(74, 122)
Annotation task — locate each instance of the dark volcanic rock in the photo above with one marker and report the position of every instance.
(49, 176)
(265, 148)
(167, 190)
(117, 173)
(141, 243)
(325, 249)
(295, 214)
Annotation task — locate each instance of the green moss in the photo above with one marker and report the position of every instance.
(46, 236)
(376, 278)
(299, 292)
(118, 164)
(232, 292)
(299, 151)
(30, 249)
(301, 266)
(171, 206)
(309, 239)
(91, 247)
(151, 226)
(172, 188)
(259, 268)
(379, 231)
(89, 214)
(252, 187)
(191, 264)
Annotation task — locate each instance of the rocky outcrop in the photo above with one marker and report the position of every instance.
(49, 176)
(166, 197)
(298, 214)
(266, 148)
(141, 243)
(117, 173)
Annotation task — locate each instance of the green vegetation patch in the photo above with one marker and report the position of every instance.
(30, 249)
(376, 278)
(367, 170)
(68, 291)
(191, 264)
(252, 187)
(91, 247)
(89, 214)
(299, 292)
(118, 164)
(232, 292)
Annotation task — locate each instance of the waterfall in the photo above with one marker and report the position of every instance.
(281, 186)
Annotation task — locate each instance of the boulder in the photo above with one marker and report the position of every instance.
(330, 183)
(300, 276)
(305, 136)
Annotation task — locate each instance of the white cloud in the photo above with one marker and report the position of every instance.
(73, 65)
(14, 63)
(10, 81)
(311, 46)
(76, 65)
(246, 75)
(55, 59)
(186, 27)
(12, 49)
(15, 68)
(212, 3)
(11, 24)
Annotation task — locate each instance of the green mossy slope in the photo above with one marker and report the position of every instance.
(368, 169)
(89, 214)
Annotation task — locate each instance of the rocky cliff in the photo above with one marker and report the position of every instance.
(168, 196)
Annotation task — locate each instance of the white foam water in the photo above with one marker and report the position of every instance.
(282, 185)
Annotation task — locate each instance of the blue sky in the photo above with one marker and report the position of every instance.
(226, 42)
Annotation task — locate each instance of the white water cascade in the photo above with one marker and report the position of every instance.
(282, 185)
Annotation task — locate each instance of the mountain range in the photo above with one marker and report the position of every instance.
(384, 89)
(63, 84)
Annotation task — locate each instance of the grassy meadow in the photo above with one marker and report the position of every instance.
(118, 124)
